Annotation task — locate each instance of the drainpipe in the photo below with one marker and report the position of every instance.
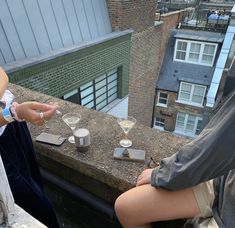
(77, 192)
(154, 105)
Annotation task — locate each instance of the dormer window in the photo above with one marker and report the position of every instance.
(195, 52)
(191, 94)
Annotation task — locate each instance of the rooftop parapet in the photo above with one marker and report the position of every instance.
(96, 171)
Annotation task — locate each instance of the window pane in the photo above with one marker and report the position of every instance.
(195, 48)
(199, 90)
(194, 52)
(180, 120)
(86, 85)
(100, 91)
(190, 124)
(209, 49)
(101, 98)
(112, 84)
(100, 84)
(100, 78)
(112, 77)
(193, 57)
(112, 91)
(160, 122)
(198, 94)
(86, 91)
(90, 105)
(207, 59)
(186, 87)
(163, 95)
(182, 45)
(181, 50)
(185, 92)
(180, 55)
(97, 93)
(87, 99)
(162, 101)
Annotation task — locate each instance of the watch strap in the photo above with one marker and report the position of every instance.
(6, 114)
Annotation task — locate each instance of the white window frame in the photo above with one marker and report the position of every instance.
(158, 99)
(179, 131)
(190, 102)
(159, 127)
(187, 60)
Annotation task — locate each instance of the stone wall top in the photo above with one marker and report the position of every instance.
(98, 163)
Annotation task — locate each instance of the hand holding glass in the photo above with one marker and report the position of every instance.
(126, 124)
(71, 119)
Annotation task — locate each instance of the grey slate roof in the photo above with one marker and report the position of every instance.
(173, 72)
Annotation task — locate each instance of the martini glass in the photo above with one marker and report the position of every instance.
(126, 124)
(71, 119)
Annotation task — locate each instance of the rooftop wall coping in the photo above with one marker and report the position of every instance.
(169, 14)
(98, 161)
(22, 64)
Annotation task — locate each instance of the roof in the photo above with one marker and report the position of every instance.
(33, 28)
(172, 72)
(200, 36)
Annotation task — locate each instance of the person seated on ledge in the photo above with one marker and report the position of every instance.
(197, 182)
(18, 155)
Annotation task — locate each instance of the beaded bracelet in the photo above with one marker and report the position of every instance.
(13, 112)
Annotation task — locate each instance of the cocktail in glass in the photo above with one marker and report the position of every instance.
(126, 124)
(71, 119)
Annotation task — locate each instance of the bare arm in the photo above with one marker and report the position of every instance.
(30, 112)
(3, 81)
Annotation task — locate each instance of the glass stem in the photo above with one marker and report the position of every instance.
(126, 136)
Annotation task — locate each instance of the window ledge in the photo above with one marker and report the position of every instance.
(189, 103)
(159, 128)
(161, 105)
(185, 134)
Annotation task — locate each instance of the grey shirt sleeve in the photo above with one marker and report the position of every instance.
(210, 155)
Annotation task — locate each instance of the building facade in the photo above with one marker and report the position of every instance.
(65, 49)
(192, 79)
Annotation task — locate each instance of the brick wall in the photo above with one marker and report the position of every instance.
(143, 70)
(135, 14)
(63, 74)
(147, 50)
(170, 112)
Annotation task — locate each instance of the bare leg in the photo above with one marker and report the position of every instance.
(142, 205)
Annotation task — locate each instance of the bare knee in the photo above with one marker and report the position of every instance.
(123, 210)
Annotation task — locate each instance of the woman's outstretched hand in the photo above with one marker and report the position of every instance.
(35, 112)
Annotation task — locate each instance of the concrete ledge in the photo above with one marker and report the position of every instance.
(96, 170)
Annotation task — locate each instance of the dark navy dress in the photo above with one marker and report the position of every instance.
(23, 174)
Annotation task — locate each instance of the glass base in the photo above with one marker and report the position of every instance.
(71, 139)
(125, 143)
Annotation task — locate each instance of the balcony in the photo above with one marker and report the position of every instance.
(206, 20)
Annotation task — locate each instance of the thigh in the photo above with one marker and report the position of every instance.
(147, 204)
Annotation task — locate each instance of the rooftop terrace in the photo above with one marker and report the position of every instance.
(95, 172)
